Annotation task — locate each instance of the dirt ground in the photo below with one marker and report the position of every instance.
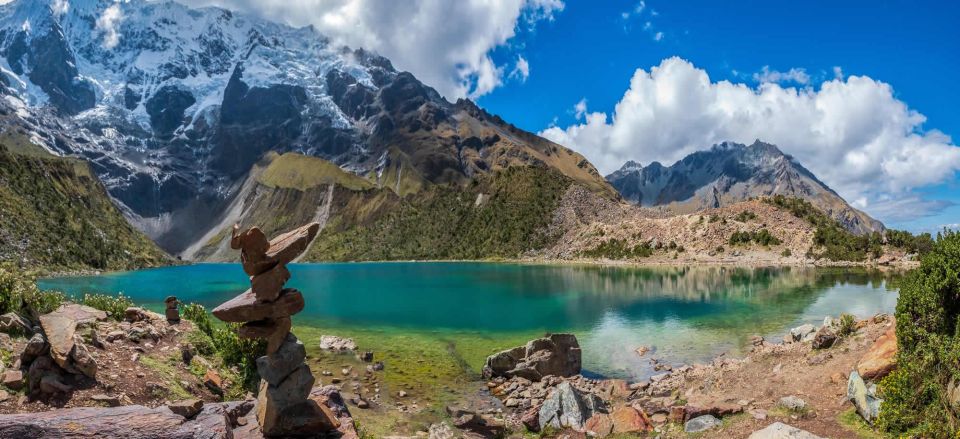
(771, 372)
(148, 372)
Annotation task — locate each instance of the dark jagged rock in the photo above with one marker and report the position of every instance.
(166, 108)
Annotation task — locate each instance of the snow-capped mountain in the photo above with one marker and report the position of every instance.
(173, 106)
(728, 173)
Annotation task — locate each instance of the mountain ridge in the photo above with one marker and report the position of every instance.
(186, 101)
(730, 172)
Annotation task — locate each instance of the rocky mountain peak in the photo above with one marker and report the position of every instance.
(731, 172)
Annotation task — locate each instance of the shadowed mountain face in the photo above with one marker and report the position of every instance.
(175, 110)
(728, 173)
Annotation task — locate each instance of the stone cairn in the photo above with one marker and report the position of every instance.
(283, 404)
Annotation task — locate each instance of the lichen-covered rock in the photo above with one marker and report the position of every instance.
(567, 407)
(555, 354)
(701, 424)
(867, 405)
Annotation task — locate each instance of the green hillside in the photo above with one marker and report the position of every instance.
(55, 214)
(499, 215)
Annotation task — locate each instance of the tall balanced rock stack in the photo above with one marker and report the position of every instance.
(283, 404)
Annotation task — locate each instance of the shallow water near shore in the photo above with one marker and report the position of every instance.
(469, 310)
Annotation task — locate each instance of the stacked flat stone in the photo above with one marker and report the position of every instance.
(283, 404)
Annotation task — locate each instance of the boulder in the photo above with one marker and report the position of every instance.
(556, 355)
(701, 424)
(134, 314)
(867, 405)
(35, 347)
(187, 408)
(335, 343)
(599, 425)
(46, 377)
(824, 338)
(12, 379)
(61, 325)
(13, 323)
(275, 367)
(246, 307)
(276, 404)
(881, 358)
(793, 403)
(779, 430)
(82, 360)
(630, 420)
(531, 419)
(567, 407)
(953, 394)
(126, 421)
(482, 425)
(212, 380)
(801, 332)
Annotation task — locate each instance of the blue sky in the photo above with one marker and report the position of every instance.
(590, 50)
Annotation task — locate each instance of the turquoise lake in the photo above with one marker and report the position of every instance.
(686, 314)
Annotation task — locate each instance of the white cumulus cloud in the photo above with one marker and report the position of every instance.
(796, 75)
(446, 44)
(853, 133)
(521, 70)
(109, 25)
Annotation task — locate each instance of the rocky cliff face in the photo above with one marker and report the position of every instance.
(172, 107)
(729, 173)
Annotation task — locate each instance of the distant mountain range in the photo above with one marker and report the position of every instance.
(729, 173)
(174, 109)
(196, 119)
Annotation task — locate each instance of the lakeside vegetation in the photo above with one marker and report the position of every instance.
(834, 242)
(55, 214)
(501, 215)
(921, 397)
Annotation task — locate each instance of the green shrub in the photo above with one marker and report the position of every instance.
(745, 216)
(928, 340)
(920, 244)
(614, 248)
(830, 240)
(786, 253)
(115, 306)
(19, 293)
(762, 237)
(848, 325)
(233, 350)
